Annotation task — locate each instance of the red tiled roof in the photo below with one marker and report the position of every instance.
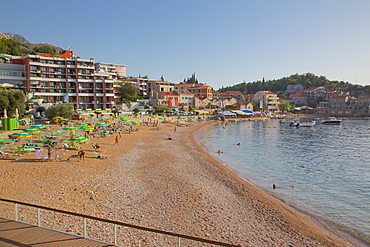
(184, 84)
(179, 91)
(66, 54)
(340, 97)
(233, 92)
(297, 95)
(364, 96)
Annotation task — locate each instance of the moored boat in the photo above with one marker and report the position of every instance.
(331, 120)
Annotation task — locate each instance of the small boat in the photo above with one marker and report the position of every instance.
(331, 120)
(307, 124)
(296, 123)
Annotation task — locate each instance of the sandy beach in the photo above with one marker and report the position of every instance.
(172, 185)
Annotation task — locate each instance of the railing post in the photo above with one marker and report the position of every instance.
(85, 233)
(38, 216)
(16, 211)
(115, 234)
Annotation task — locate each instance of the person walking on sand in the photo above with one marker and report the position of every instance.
(50, 153)
(116, 141)
(174, 129)
(81, 153)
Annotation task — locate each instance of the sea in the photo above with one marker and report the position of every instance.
(324, 170)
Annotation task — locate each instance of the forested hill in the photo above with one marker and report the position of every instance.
(307, 80)
(9, 45)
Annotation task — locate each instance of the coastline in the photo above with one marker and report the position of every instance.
(171, 185)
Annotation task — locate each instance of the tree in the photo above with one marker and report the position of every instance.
(40, 110)
(115, 112)
(12, 100)
(128, 91)
(192, 79)
(65, 110)
(136, 111)
(284, 106)
(162, 78)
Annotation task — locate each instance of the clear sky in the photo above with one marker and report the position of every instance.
(225, 42)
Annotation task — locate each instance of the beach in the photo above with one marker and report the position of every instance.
(172, 185)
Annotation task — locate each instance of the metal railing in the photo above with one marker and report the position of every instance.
(114, 223)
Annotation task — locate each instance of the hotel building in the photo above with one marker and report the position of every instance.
(65, 78)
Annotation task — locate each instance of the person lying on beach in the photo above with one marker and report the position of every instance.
(169, 138)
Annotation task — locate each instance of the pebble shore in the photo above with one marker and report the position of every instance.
(172, 185)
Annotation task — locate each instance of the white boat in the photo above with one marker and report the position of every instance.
(307, 124)
(297, 123)
(331, 120)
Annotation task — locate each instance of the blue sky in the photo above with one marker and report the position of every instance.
(224, 42)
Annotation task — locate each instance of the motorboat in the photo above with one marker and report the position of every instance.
(297, 123)
(331, 120)
(307, 124)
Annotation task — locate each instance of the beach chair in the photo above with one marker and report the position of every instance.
(9, 156)
(24, 149)
(6, 141)
(101, 156)
(45, 158)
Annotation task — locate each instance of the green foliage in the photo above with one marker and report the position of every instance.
(285, 106)
(136, 110)
(40, 109)
(160, 109)
(16, 48)
(65, 110)
(115, 112)
(12, 100)
(13, 47)
(306, 80)
(45, 49)
(128, 91)
(191, 79)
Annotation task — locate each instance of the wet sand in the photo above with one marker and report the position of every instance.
(172, 185)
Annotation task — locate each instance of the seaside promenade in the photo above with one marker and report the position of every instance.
(148, 180)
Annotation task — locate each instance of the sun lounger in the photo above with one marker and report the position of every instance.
(45, 157)
(24, 149)
(101, 156)
(12, 156)
(6, 141)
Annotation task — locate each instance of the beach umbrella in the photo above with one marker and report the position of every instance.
(154, 116)
(70, 128)
(32, 130)
(87, 128)
(58, 117)
(81, 124)
(136, 117)
(102, 124)
(22, 134)
(78, 139)
(108, 121)
(136, 123)
(38, 126)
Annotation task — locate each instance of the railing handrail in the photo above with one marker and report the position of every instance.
(122, 223)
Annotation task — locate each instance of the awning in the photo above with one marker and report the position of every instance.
(201, 112)
(239, 112)
(248, 111)
(227, 113)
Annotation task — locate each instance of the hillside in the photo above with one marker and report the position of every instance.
(17, 45)
(307, 80)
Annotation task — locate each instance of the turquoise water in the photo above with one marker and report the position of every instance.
(328, 166)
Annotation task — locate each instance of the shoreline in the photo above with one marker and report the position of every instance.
(329, 228)
(173, 185)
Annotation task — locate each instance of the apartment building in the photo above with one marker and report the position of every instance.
(158, 86)
(66, 78)
(201, 90)
(267, 98)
